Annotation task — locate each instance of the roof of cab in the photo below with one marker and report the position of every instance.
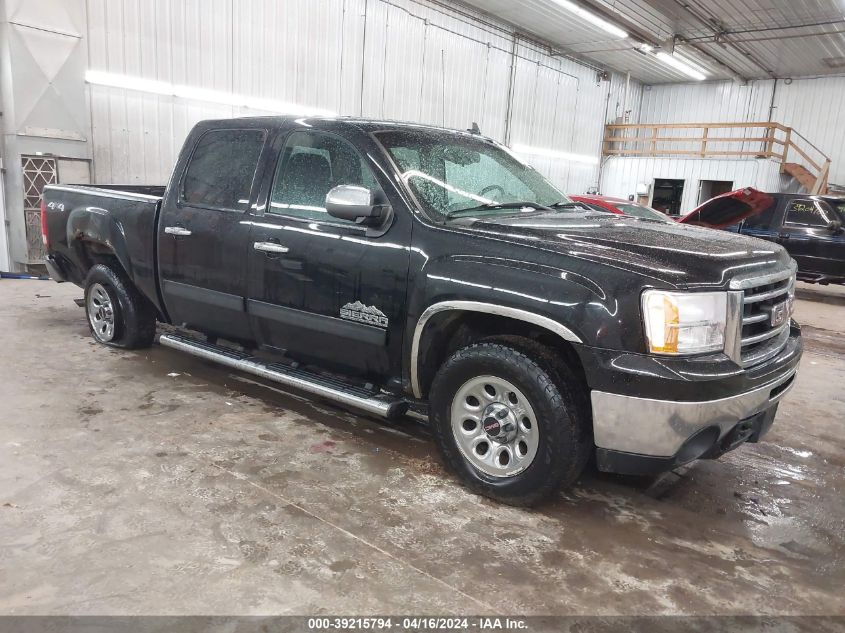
(369, 125)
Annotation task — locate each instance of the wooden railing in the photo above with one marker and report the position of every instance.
(767, 140)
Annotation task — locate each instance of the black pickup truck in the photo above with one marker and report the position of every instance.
(404, 269)
(809, 227)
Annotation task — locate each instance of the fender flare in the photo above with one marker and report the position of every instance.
(476, 306)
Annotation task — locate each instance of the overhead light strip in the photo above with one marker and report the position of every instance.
(689, 62)
(681, 66)
(592, 18)
(551, 153)
(149, 86)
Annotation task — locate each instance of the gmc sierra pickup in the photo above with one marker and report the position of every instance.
(404, 269)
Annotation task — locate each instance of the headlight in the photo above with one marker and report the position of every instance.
(685, 322)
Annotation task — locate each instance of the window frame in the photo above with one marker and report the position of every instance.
(181, 202)
(329, 219)
(787, 222)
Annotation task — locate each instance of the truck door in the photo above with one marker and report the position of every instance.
(202, 241)
(322, 289)
(805, 234)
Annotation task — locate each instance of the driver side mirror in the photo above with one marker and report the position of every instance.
(354, 204)
(835, 227)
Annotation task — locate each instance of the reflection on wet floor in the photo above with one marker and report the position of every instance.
(198, 489)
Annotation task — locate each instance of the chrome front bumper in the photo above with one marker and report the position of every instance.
(661, 427)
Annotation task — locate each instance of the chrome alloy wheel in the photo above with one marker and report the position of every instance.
(100, 313)
(494, 426)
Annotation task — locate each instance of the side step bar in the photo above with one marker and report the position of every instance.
(375, 403)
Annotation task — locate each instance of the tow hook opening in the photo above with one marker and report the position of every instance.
(697, 445)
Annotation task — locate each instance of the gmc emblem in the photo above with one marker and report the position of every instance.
(779, 314)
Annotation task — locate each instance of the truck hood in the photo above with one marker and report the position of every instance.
(729, 208)
(683, 256)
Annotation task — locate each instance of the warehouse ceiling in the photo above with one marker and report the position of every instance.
(738, 39)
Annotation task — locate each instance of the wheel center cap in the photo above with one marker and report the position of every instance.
(499, 422)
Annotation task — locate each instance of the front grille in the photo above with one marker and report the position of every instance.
(764, 299)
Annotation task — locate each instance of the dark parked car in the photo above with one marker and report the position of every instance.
(619, 206)
(808, 227)
(399, 268)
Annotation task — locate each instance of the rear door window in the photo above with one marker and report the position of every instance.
(222, 169)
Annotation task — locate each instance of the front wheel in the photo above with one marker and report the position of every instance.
(509, 423)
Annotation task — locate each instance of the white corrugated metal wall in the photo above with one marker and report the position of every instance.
(398, 59)
(717, 102)
(622, 175)
(813, 107)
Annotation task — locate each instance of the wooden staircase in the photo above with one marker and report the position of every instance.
(815, 185)
(769, 140)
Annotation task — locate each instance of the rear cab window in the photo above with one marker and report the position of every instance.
(221, 169)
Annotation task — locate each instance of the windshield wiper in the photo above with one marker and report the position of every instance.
(570, 206)
(493, 206)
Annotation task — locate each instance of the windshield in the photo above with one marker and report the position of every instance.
(450, 172)
(639, 211)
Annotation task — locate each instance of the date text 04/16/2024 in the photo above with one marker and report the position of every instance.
(417, 623)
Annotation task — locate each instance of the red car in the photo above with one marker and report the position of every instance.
(728, 209)
(621, 207)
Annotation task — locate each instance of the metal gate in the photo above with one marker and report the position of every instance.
(38, 171)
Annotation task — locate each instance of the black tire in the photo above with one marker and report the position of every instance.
(134, 318)
(565, 438)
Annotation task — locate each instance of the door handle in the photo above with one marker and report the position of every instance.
(270, 247)
(176, 230)
(783, 236)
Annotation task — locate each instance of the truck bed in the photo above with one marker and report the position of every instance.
(121, 219)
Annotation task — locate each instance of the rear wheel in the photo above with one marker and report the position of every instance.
(508, 421)
(118, 314)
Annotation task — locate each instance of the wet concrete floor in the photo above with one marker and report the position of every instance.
(153, 483)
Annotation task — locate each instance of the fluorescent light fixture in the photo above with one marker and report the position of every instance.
(677, 64)
(645, 48)
(592, 18)
(551, 153)
(126, 82)
(694, 65)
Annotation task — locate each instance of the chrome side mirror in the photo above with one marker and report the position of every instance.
(354, 204)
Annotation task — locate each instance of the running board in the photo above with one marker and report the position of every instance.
(349, 395)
